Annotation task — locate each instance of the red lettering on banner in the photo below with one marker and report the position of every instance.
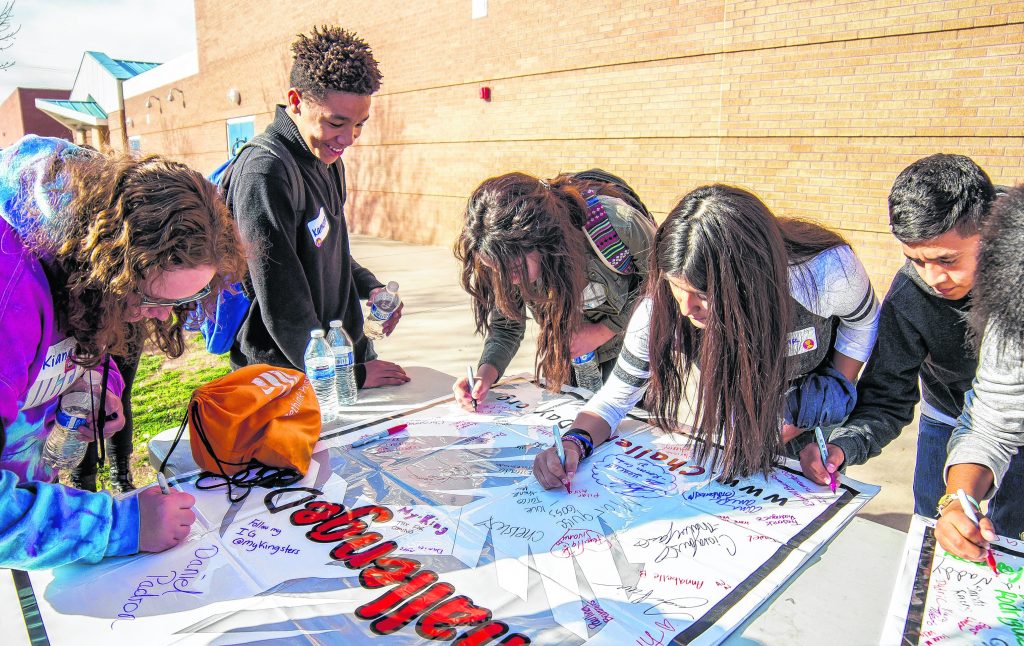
(416, 593)
(395, 621)
(483, 634)
(387, 571)
(345, 551)
(316, 512)
(441, 622)
(390, 599)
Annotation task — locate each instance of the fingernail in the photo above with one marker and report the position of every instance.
(989, 535)
(565, 481)
(831, 468)
(572, 474)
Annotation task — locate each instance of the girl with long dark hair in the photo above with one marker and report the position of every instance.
(773, 317)
(571, 249)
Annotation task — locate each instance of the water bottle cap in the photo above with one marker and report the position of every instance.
(316, 334)
(392, 287)
(335, 323)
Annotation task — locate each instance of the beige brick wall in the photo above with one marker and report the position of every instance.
(814, 105)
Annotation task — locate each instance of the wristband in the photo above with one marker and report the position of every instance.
(950, 497)
(575, 441)
(583, 439)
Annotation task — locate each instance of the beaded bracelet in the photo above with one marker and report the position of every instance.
(583, 439)
(578, 444)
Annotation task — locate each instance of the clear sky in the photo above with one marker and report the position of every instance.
(55, 33)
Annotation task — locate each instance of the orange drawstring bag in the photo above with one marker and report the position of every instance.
(256, 426)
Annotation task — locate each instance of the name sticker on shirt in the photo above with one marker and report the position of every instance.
(801, 341)
(57, 374)
(319, 227)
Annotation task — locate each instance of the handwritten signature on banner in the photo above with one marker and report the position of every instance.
(689, 538)
(177, 581)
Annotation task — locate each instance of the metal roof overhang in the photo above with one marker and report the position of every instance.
(69, 117)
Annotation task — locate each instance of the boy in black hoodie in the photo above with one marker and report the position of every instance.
(288, 196)
(936, 208)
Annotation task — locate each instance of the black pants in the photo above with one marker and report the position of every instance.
(120, 444)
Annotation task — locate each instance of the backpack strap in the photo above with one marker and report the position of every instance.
(605, 240)
(277, 149)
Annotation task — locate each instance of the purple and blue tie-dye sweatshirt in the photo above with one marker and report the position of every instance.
(42, 524)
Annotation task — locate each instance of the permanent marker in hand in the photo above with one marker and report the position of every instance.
(380, 436)
(824, 457)
(560, 450)
(472, 382)
(162, 481)
(969, 512)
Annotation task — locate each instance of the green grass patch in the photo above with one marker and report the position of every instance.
(161, 393)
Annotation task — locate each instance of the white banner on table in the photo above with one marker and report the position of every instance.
(441, 532)
(940, 598)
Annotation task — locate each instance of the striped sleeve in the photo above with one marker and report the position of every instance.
(628, 381)
(843, 289)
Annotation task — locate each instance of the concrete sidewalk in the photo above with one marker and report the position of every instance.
(437, 331)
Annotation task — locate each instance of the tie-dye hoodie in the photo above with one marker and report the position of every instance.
(42, 524)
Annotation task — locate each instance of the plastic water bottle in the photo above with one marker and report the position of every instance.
(588, 372)
(319, 361)
(64, 447)
(382, 306)
(344, 364)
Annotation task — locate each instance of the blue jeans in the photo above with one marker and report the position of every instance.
(932, 437)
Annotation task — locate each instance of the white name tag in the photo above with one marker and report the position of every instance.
(801, 341)
(57, 374)
(319, 228)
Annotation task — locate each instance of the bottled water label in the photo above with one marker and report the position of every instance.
(583, 359)
(70, 422)
(379, 314)
(344, 359)
(318, 371)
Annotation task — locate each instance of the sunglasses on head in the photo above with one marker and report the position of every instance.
(198, 296)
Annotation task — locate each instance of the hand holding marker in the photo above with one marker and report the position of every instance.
(472, 383)
(560, 450)
(824, 457)
(990, 558)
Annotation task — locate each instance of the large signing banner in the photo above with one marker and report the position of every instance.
(441, 533)
(940, 598)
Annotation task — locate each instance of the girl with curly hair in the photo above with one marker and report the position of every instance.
(773, 317)
(97, 255)
(524, 244)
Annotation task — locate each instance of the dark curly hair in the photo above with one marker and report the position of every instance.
(997, 299)
(126, 220)
(333, 60)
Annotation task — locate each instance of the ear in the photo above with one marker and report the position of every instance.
(294, 101)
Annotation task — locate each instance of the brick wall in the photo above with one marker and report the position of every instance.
(814, 105)
(19, 116)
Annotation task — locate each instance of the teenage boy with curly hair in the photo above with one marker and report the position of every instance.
(288, 194)
(936, 209)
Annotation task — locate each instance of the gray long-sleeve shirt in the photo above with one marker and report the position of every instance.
(990, 429)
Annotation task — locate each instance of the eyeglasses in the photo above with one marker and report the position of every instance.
(198, 296)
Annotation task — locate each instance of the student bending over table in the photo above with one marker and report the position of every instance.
(990, 430)
(523, 242)
(89, 244)
(937, 207)
(751, 300)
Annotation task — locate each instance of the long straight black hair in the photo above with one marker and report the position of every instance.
(724, 242)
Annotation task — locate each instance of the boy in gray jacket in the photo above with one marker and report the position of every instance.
(936, 208)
